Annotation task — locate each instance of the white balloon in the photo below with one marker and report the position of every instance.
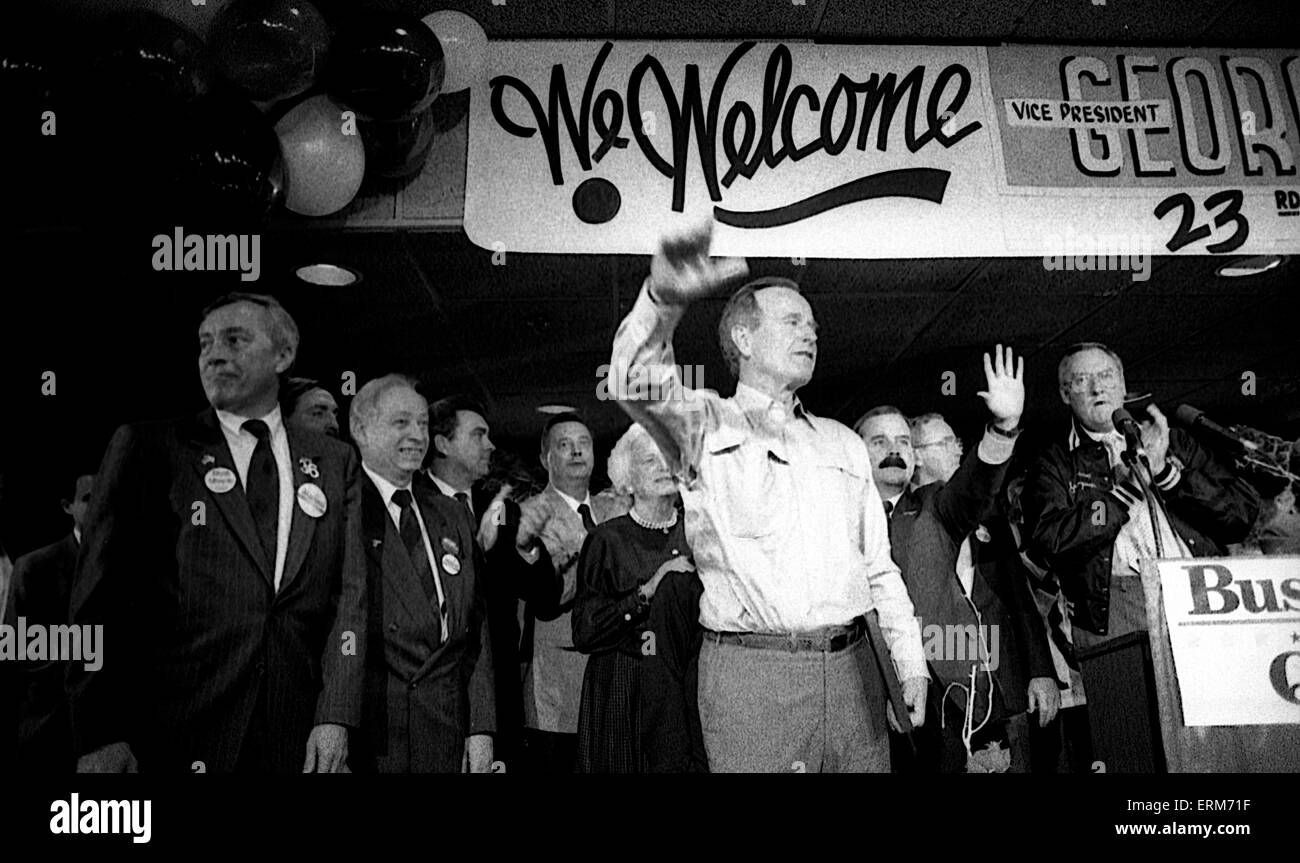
(323, 163)
(463, 43)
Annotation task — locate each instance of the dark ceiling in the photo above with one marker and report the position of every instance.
(120, 337)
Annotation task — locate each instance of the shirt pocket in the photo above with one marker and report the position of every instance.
(751, 482)
(835, 493)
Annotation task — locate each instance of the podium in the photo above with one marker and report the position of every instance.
(1120, 681)
(1262, 680)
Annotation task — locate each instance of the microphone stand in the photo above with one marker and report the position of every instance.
(1147, 481)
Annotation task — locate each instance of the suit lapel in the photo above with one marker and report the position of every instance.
(302, 526)
(211, 452)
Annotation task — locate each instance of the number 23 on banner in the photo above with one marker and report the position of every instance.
(1228, 206)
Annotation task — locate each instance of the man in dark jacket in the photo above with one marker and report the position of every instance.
(429, 683)
(972, 598)
(41, 590)
(1087, 517)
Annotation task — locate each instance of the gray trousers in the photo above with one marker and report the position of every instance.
(777, 711)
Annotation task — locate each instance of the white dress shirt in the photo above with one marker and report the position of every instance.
(1135, 541)
(451, 492)
(574, 503)
(386, 490)
(242, 443)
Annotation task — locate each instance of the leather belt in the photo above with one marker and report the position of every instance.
(828, 639)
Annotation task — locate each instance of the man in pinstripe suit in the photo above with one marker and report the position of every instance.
(222, 555)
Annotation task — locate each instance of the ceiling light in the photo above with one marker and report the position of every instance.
(556, 409)
(328, 275)
(1252, 266)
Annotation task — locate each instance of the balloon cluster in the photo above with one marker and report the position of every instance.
(277, 109)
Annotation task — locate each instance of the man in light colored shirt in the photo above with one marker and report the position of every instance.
(788, 532)
(565, 510)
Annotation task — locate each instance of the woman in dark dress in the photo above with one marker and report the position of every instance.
(623, 562)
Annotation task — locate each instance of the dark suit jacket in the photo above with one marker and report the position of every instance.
(423, 697)
(193, 626)
(40, 593)
(926, 531)
(508, 580)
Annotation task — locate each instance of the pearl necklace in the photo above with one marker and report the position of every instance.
(653, 525)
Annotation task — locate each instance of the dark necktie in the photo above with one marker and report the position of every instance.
(262, 487)
(464, 499)
(588, 522)
(889, 509)
(409, 529)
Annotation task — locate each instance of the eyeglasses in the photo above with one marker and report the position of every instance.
(1106, 379)
(943, 441)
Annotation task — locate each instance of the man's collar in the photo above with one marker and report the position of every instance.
(234, 423)
(76, 532)
(573, 502)
(445, 486)
(752, 400)
(385, 487)
(1074, 440)
(893, 501)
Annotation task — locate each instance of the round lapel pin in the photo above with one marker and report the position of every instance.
(311, 499)
(219, 480)
(450, 563)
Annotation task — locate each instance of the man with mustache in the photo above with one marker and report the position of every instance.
(790, 540)
(222, 555)
(962, 570)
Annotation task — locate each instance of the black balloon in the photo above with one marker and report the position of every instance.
(146, 57)
(32, 150)
(386, 66)
(397, 149)
(270, 49)
(140, 74)
(229, 170)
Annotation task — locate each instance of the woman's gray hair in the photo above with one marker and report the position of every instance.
(622, 460)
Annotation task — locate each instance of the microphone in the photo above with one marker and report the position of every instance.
(1124, 422)
(1192, 418)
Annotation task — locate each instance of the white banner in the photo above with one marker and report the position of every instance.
(1234, 625)
(854, 151)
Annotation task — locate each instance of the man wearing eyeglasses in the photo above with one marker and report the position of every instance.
(937, 447)
(1086, 514)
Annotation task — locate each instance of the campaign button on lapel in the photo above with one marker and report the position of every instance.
(311, 499)
(219, 480)
(450, 563)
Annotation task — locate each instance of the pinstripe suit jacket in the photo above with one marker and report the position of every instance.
(193, 626)
(423, 696)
